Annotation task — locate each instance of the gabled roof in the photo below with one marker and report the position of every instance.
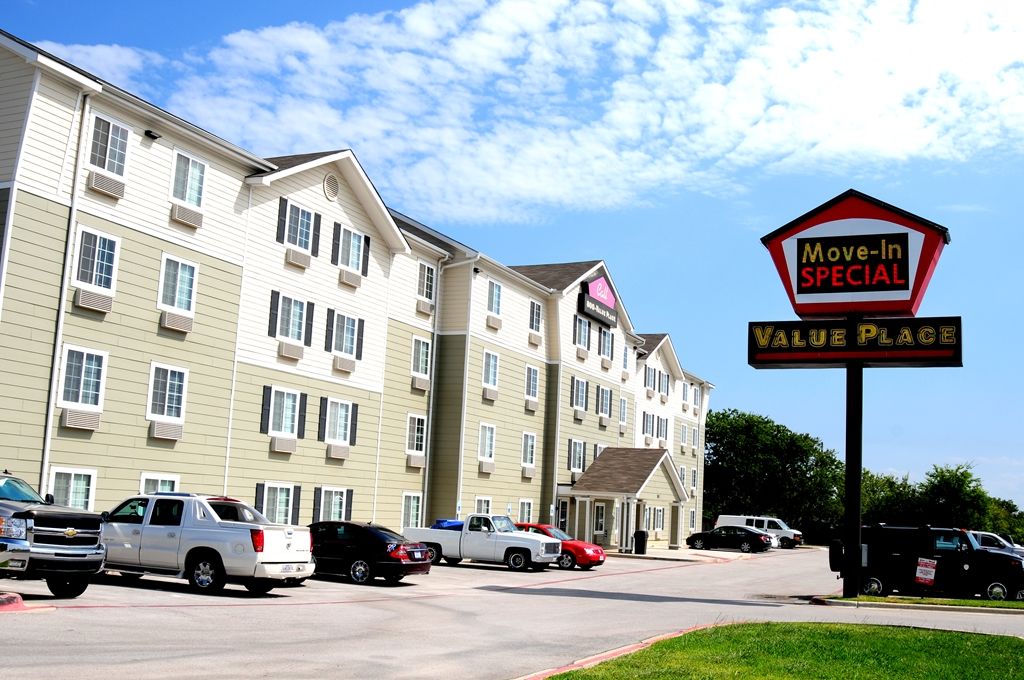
(655, 341)
(557, 276)
(620, 471)
(431, 236)
(288, 162)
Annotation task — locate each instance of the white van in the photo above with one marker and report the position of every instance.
(788, 538)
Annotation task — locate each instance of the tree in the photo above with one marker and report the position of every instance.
(888, 499)
(754, 465)
(952, 496)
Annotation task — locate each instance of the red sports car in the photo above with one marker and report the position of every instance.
(585, 555)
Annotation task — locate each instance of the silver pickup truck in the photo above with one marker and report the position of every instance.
(208, 540)
(487, 538)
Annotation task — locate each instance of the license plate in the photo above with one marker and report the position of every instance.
(417, 554)
(286, 568)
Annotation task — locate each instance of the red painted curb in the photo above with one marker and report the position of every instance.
(11, 602)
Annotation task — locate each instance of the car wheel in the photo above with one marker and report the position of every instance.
(394, 578)
(785, 543)
(359, 572)
(996, 591)
(873, 586)
(258, 587)
(698, 544)
(566, 561)
(517, 560)
(452, 561)
(745, 546)
(435, 554)
(586, 567)
(205, 573)
(67, 587)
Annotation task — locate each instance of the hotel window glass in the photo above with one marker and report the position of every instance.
(693, 478)
(682, 474)
(694, 433)
(604, 342)
(411, 503)
(696, 396)
(525, 509)
(582, 332)
(483, 505)
(290, 318)
(155, 483)
(351, 250)
(97, 261)
(605, 405)
(494, 297)
(623, 410)
(650, 378)
(339, 422)
(663, 380)
(684, 391)
(177, 285)
(278, 503)
(490, 369)
(109, 145)
(332, 504)
(599, 518)
(416, 439)
(167, 386)
(532, 379)
(346, 335)
(84, 378)
(486, 451)
(683, 438)
(300, 227)
(662, 428)
(535, 316)
(284, 413)
(647, 518)
(693, 519)
(579, 394)
(625, 358)
(579, 450)
(420, 357)
(425, 286)
(648, 424)
(529, 448)
(73, 487)
(659, 519)
(188, 179)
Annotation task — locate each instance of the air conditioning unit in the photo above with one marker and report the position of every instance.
(582, 353)
(97, 302)
(606, 363)
(493, 322)
(531, 405)
(283, 444)
(80, 420)
(603, 421)
(344, 364)
(424, 307)
(578, 413)
(175, 322)
(534, 339)
(289, 351)
(105, 184)
(186, 216)
(529, 471)
(349, 278)
(686, 407)
(296, 258)
(490, 393)
(487, 466)
(415, 460)
(158, 430)
(337, 451)
(420, 383)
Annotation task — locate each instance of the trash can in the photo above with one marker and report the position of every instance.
(639, 542)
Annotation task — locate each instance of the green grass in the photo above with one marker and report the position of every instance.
(896, 599)
(819, 651)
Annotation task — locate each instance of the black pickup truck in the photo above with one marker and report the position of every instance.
(40, 540)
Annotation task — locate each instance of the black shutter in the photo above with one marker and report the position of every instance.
(315, 248)
(589, 333)
(575, 327)
(296, 496)
(302, 416)
(329, 336)
(586, 399)
(366, 255)
(259, 496)
(570, 455)
(265, 410)
(308, 341)
(282, 218)
(321, 429)
(317, 492)
(275, 299)
(359, 340)
(335, 243)
(349, 497)
(597, 398)
(352, 428)
(572, 391)
(611, 345)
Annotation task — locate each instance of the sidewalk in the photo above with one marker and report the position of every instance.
(685, 554)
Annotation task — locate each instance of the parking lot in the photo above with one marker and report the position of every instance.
(471, 621)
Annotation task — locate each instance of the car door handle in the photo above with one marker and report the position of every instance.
(171, 534)
(136, 532)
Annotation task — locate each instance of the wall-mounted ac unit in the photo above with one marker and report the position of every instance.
(97, 302)
(175, 322)
(158, 430)
(105, 184)
(186, 216)
(80, 420)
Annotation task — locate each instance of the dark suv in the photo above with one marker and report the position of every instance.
(927, 560)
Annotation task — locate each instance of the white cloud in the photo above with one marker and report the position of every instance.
(125, 67)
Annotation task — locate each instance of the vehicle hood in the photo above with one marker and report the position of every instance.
(582, 545)
(23, 509)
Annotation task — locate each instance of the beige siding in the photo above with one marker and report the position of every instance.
(455, 306)
(659, 493)
(589, 429)
(446, 434)
(15, 91)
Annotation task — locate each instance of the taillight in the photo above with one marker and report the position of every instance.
(399, 553)
(310, 541)
(257, 539)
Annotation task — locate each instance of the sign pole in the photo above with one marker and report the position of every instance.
(852, 504)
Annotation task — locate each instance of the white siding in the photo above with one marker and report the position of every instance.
(51, 130)
(15, 89)
(515, 313)
(405, 271)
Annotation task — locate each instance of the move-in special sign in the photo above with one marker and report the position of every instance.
(856, 255)
(834, 343)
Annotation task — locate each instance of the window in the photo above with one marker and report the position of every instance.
(685, 392)
(300, 227)
(284, 412)
(529, 448)
(411, 504)
(650, 378)
(494, 297)
(167, 393)
(535, 316)
(623, 410)
(96, 267)
(579, 393)
(604, 406)
(648, 427)
(693, 519)
(490, 369)
(73, 487)
(109, 145)
(659, 519)
(486, 451)
(682, 434)
(694, 434)
(563, 515)
(153, 482)
(483, 505)
(696, 396)
(577, 450)
(582, 332)
(532, 379)
(351, 250)
(682, 474)
(662, 428)
(83, 378)
(425, 284)
(421, 357)
(346, 334)
(693, 478)
(290, 318)
(663, 382)
(525, 509)
(416, 438)
(332, 504)
(625, 358)
(278, 503)
(647, 518)
(188, 179)
(605, 342)
(338, 423)
(177, 285)
(599, 518)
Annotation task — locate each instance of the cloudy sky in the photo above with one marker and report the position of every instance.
(663, 137)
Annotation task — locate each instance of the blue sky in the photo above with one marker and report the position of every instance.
(663, 137)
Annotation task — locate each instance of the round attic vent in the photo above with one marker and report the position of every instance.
(331, 186)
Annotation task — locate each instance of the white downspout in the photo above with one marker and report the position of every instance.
(234, 357)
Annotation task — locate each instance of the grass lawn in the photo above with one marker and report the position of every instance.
(897, 599)
(819, 651)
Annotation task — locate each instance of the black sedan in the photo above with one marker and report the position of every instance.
(362, 551)
(743, 538)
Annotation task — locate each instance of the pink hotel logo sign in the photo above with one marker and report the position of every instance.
(598, 301)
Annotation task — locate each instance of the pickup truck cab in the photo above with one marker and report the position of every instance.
(486, 538)
(210, 540)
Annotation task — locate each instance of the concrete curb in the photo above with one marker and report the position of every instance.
(909, 605)
(11, 602)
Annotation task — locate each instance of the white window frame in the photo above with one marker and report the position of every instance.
(104, 369)
(625, 357)
(685, 391)
(288, 227)
(163, 418)
(425, 290)
(202, 189)
(158, 477)
(355, 240)
(536, 316)
(127, 145)
(599, 518)
(693, 519)
(160, 304)
(683, 436)
(527, 504)
(274, 432)
(340, 334)
(682, 475)
(579, 452)
(280, 318)
(604, 342)
(486, 446)
(532, 386)
(650, 377)
(604, 403)
(267, 486)
(695, 434)
(332, 490)
(697, 396)
(529, 457)
(342, 441)
(659, 519)
(663, 383)
(647, 517)
(417, 367)
(90, 503)
(90, 285)
(662, 427)
(579, 396)
(582, 331)
(406, 521)
(483, 505)
(648, 426)
(419, 419)
(693, 477)
(493, 297)
(623, 410)
(491, 359)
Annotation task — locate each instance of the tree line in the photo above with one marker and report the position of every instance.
(754, 465)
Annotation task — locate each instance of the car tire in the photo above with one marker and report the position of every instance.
(394, 578)
(586, 567)
(745, 546)
(785, 543)
(566, 561)
(435, 553)
(873, 585)
(258, 587)
(452, 561)
(517, 560)
(996, 591)
(359, 572)
(205, 573)
(67, 587)
(698, 544)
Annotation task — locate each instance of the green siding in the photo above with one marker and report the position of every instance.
(446, 436)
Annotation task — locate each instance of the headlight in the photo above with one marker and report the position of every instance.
(13, 528)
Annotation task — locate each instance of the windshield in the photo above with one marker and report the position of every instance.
(503, 524)
(13, 489)
(559, 534)
(782, 525)
(238, 512)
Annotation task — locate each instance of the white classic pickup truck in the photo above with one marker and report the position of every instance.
(486, 538)
(210, 540)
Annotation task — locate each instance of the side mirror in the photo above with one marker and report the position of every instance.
(104, 516)
(963, 547)
(48, 499)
